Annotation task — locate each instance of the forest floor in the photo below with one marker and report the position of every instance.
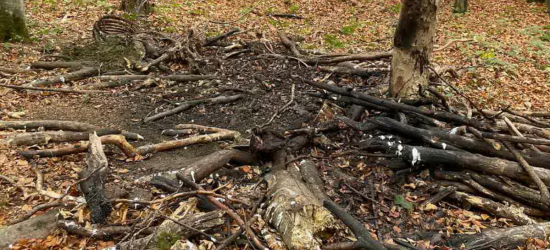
(507, 57)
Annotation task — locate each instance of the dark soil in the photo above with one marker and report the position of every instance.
(269, 79)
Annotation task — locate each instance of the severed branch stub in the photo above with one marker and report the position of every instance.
(94, 187)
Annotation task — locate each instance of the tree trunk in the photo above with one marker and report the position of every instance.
(413, 44)
(136, 6)
(461, 6)
(12, 21)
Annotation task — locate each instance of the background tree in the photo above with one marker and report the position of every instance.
(413, 45)
(461, 6)
(136, 7)
(12, 21)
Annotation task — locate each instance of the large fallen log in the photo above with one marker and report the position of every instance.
(296, 213)
(94, 176)
(506, 238)
(470, 144)
(464, 160)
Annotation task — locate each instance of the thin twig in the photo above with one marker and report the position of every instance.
(283, 108)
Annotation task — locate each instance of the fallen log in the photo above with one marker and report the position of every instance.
(211, 41)
(467, 179)
(168, 145)
(525, 194)
(93, 186)
(364, 239)
(470, 144)
(365, 72)
(512, 213)
(57, 65)
(176, 78)
(441, 115)
(296, 213)
(61, 125)
(48, 125)
(103, 233)
(463, 160)
(320, 60)
(190, 104)
(117, 140)
(73, 76)
(177, 132)
(62, 90)
(506, 238)
(205, 166)
(41, 138)
(531, 172)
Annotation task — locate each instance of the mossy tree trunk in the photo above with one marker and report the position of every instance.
(137, 7)
(12, 21)
(461, 6)
(413, 45)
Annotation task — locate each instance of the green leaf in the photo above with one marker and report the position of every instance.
(400, 200)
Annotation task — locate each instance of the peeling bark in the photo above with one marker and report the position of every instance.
(413, 45)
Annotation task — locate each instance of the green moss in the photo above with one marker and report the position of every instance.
(110, 53)
(166, 240)
(12, 27)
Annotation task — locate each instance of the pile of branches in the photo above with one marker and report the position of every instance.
(498, 162)
(494, 161)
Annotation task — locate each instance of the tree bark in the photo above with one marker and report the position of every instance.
(506, 238)
(413, 44)
(12, 21)
(136, 6)
(461, 6)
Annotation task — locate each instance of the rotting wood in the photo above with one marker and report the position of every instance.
(95, 172)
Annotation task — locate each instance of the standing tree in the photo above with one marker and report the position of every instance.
(461, 6)
(137, 7)
(413, 45)
(12, 21)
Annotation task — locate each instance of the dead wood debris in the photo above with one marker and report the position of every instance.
(464, 156)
